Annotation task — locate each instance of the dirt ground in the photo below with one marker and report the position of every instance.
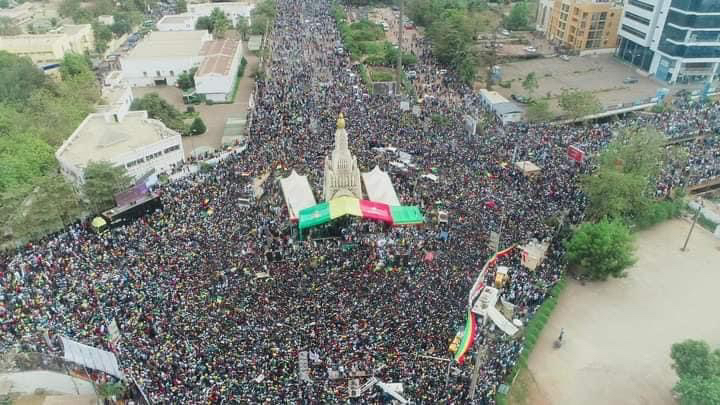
(214, 115)
(618, 333)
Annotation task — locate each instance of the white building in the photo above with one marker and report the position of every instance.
(218, 71)
(233, 10)
(504, 109)
(131, 139)
(544, 11)
(177, 22)
(342, 174)
(160, 57)
(674, 40)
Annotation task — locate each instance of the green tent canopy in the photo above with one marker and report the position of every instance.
(406, 215)
(314, 216)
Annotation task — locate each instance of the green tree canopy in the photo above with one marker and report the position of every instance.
(519, 17)
(197, 127)
(694, 358)
(22, 158)
(74, 64)
(160, 109)
(242, 27)
(186, 80)
(103, 36)
(623, 186)
(698, 367)
(102, 181)
(181, 6)
(579, 103)
(19, 78)
(539, 111)
(8, 27)
(601, 250)
(530, 84)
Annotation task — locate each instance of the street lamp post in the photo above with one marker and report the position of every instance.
(695, 218)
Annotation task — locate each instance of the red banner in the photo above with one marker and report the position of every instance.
(375, 210)
(575, 153)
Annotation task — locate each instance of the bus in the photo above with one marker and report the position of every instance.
(120, 216)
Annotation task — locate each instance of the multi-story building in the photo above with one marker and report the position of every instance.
(233, 10)
(544, 11)
(584, 24)
(674, 40)
(124, 138)
(46, 48)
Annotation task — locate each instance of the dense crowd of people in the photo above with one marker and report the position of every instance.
(215, 301)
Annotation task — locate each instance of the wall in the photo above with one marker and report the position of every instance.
(133, 70)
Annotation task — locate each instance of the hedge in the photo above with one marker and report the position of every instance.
(532, 334)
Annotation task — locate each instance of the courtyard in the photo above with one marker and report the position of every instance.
(618, 334)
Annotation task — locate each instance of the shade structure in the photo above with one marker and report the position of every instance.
(298, 194)
(407, 215)
(341, 206)
(314, 216)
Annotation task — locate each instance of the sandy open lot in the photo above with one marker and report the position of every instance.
(618, 333)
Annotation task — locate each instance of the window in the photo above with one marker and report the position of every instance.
(641, 4)
(172, 148)
(172, 73)
(145, 74)
(153, 155)
(157, 73)
(633, 31)
(637, 18)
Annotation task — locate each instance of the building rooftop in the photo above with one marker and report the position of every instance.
(493, 96)
(169, 44)
(97, 139)
(176, 19)
(19, 11)
(218, 57)
(225, 6)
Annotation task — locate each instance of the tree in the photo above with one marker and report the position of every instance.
(160, 109)
(519, 17)
(601, 250)
(698, 391)
(4, 4)
(73, 65)
(530, 84)
(204, 23)
(186, 80)
(694, 358)
(623, 186)
(111, 390)
(8, 27)
(102, 181)
(539, 111)
(242, 27)
(579, 103)
(197, 127)
(699, 370)
(19, 78)
(181, 6)
(121, 25)
(103, 35)
(24, 157)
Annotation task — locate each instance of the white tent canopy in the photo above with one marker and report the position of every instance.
(528, 168)
(379, 187)
(298, 194)
(90, 357)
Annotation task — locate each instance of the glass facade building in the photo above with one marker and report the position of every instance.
(676, 40)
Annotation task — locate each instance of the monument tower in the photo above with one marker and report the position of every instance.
(342, 175)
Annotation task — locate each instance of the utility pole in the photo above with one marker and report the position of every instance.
(479, 357)
(695, 218)
(401, 28)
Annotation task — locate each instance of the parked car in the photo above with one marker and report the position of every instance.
(411, 74)
(531, 49)
(630, 80)
(442, 71)
(565, 58)
(505, 33)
